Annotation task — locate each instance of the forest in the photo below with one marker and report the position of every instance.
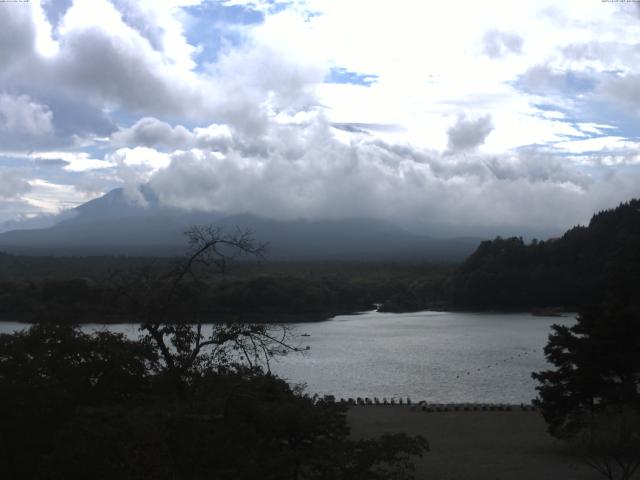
(176, 403)
(84, 289)
(181, 404)
(502, 274)
(580, 268)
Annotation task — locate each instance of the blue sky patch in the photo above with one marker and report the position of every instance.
(214, 27)
(12, 162)
(544, 81)
(55, 10)
(342, 75)
(626, 123)
(578, 82)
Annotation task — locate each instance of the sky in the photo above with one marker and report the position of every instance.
(449, 116)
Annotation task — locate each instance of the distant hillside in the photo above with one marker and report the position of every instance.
(113, 224)
(586, 265)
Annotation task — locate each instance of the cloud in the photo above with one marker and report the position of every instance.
(134, 166)
(240, 116)
(17, 34)
(268, 74)
(146, 159)
(123, 71)
(103, 58)
(497, 44)
(54, 10)
(135, 56)
(51, 198)
(546, 79)
(594, 128)
(538, 167)
(468, 134)
(75, 119)
(624, 90)
(41, 121)
(598, 144)
(51, 162)
(591, 51)
(145, 20)
(12, 184)
(217, 138)
(326, 177)
(23, 121)
(151, 132)
(69, 161)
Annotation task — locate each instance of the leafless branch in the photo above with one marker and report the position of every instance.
(183, 345)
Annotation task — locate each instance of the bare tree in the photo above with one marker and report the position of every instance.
(161, 303)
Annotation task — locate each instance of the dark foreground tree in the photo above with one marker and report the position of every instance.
(595, 387)
(181, 403)
(610, 442)
(168, 306)
(97, 406)
(49, 375)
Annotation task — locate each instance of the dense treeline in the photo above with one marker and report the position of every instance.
(179, 402)
(505, 273)
(591, 395)
(100, 406)
(582, 267)
(42, 289)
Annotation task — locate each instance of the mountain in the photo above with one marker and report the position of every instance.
(587, 265)
(114, 224)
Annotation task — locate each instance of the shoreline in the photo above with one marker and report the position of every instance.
(434, 407)
(264, 318)
(274, 318)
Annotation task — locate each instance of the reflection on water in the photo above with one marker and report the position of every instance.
(434, 356)
(439, 357)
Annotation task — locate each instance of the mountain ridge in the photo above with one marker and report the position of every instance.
(113, 224)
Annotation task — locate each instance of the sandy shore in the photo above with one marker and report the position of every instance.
(473, 445)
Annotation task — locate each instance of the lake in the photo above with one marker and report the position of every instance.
(433, 356)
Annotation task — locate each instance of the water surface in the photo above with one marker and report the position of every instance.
(434, 356)
(440, 357)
